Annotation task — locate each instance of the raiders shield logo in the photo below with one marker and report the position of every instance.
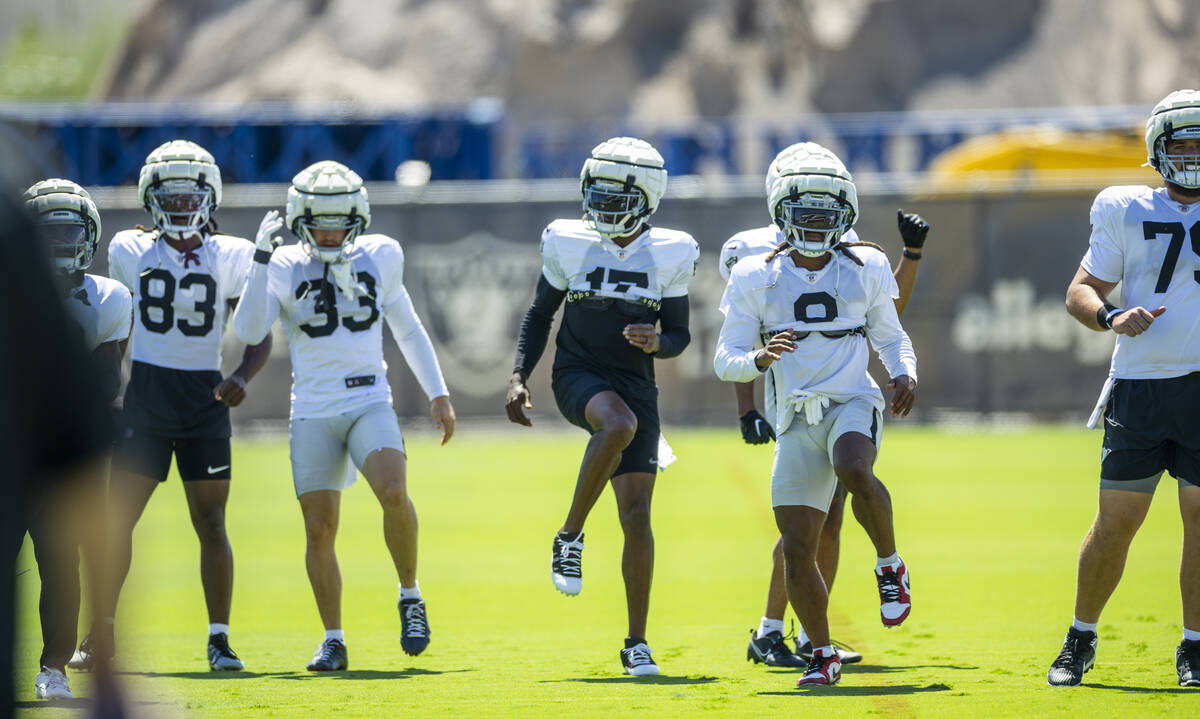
(471, 294)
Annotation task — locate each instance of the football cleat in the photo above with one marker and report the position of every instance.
(331, 656)
(566, 563)
(846, 654)
(637, 661)
(1077, 657)
(1187, 663)
(51, 683)
(821, 670)
(772, 650)
(84, 658)
(895, 601)
(414, 626)
(220, 657)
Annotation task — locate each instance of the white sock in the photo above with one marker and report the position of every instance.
(881, 562)
(1191, 635)
(218, 629)
(825, 651)
(1083, 626)
(766, 626)
(413, 592)
(803, 638)
(335, 634)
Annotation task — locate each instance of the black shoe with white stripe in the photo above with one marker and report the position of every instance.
(220, 657)
(566, 563)
(331, 656)
(1187, 663)
(637, 661)
(772, 650)
(414, 626)
(1077, 657)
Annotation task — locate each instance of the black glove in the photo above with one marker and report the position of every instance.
(913, 228)
(755, 429)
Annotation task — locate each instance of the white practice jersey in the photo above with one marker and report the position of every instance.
(759, 241)
(658, 263)
(337, 354)
(103, 308)
(762, 299)
(1151, 245)
(179, 300)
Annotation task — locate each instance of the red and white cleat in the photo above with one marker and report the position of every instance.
(895, 600)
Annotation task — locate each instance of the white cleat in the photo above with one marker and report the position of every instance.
(51, 683)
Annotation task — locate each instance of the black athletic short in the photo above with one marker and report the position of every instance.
(173, 412)
(574, 386)
(196, 458)
(1152, 425)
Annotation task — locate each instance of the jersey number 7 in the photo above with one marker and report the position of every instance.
(1151, 231)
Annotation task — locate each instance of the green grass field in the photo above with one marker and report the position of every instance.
(989, 525)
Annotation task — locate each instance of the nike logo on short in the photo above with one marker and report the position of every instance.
(214, 470)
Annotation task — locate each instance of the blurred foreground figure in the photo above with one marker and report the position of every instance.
(1151, 401)
(69, 224)
(54, 423)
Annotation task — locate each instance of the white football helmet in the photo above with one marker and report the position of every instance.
(622, 183)
(68, 220)
(1177, 116)
(327, 196)
(180, 185)
(810, 191)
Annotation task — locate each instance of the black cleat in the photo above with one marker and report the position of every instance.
(220, 657)
(330, 657)
(414, 626)
(845, 653)
(636, 661)
(1077, 657)
(566, 563)
(84, 658)
(1187, 663)
(772, 650)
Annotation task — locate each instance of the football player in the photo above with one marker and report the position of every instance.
(622, 281)
(767, 643)
(1151, 399)
(183, 275)
(69, 221)
(814, 302)
(330, 292)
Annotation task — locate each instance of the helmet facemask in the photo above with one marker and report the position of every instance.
(71, 238)
(802, 215)
(1182, 170)
(180, 207)
(351, 224)
(613, 208)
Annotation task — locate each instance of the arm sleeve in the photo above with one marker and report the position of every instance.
(674, 321)
(889, 339)
(415, 344)
(535, 327)
(258, 306)
(734, 359)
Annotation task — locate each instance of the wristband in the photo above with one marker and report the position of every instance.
(1106, 314)
(911, 255)
(262, 256)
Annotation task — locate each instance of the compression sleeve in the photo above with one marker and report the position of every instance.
(257, 308)
(535, 327)
(415, 344)
(674, 320)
